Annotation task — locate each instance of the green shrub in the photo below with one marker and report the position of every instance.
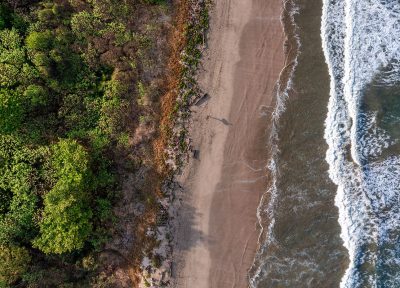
(8, 75)
(19, 170)
(45, 15)
(84, 24)
(28, 74)
(10, 39)
(17, 225)
(14, 262)
(11, 110)
(41, 59)
(40, 41)
(65, 224)
(36, 94)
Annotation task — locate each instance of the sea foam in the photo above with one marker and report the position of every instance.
(267, 204)
(362, 48)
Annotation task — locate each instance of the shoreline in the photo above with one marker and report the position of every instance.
(216, 229)
(304, 248)
(265, 210)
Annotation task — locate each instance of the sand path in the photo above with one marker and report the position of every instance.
(216, 229)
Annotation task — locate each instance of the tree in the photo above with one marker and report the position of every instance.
(14, 262)
(45, 15)
(12, 57)
(41, 41)
(36, 94)
(43, 64)
(18, 168)
(85, 24)
(12, 110)
(17, 225)
(65, 224)
(10, 39)
(8, 75)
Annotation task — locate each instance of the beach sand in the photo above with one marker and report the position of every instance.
(216, 229)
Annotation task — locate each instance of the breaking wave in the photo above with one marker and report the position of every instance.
(362, 48)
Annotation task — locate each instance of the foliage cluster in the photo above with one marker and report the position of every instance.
(75, 77)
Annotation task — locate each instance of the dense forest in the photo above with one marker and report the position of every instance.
(79, 87)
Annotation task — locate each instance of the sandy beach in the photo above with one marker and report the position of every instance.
(216, 233)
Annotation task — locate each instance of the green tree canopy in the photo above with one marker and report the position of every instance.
(12, 110)
(85, 24)
(36, 94)
(17, 178)
(65, 224)
(40, 41)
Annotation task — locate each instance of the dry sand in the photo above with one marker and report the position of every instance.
(217, 226)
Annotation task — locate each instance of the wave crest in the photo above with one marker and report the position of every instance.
(362, 49)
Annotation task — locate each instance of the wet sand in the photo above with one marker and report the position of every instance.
(217, 229)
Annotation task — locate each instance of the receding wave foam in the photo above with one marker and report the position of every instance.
(362, 48)
(268, 200)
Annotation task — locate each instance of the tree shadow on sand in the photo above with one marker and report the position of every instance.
(187, 236)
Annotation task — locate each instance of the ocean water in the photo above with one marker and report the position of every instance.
(362, 48)
(331, 215)
(300, 245)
